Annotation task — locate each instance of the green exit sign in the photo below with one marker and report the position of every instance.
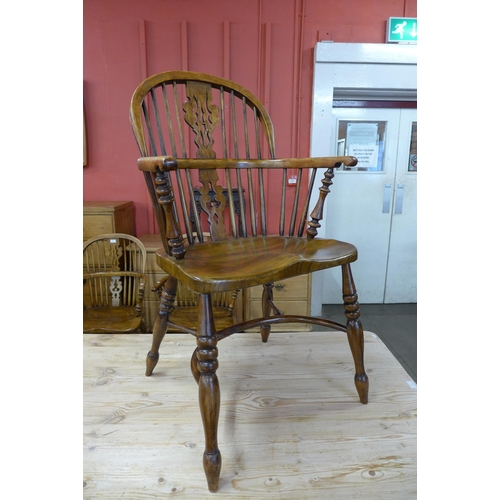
(402, 30)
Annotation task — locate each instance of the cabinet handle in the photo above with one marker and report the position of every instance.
(279, 286)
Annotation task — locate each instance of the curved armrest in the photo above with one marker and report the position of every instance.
(319, 162)
(154, 163)
(165, 163)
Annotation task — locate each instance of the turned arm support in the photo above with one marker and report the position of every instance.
(317, 213)
(142, 287)
(161, 166)
(140, 297)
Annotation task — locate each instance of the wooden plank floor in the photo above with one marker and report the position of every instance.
(291, 425)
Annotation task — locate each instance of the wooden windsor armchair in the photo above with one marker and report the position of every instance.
(202, 133)
(114, 280)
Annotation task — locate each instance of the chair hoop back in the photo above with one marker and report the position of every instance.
(218, 133)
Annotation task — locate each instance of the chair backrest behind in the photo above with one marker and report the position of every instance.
(113, 267)
(189, 115)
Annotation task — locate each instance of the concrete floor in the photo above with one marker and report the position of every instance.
(395, 324)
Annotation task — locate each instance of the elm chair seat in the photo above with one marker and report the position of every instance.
(223, 265)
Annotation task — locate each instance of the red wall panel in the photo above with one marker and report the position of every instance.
(264, 45)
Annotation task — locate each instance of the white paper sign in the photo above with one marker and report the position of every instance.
(367, 155)
(362, 142)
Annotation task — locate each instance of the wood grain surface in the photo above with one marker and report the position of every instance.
(291, 425)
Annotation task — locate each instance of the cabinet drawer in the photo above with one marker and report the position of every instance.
(293, 288)
(101, 217)
(97, 224)
(151, 265)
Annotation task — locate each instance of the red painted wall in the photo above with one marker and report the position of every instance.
(264, 45)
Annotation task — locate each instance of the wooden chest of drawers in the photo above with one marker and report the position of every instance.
(101, 217)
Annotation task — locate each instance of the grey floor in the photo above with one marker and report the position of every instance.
(395, 324)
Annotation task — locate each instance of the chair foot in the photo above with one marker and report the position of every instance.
(151, 362)
(362, 386)
(264, 333)
(355, 336)
(212, 463)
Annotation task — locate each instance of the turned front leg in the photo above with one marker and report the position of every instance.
(355, 332)
(167, 300)
(208, 389)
